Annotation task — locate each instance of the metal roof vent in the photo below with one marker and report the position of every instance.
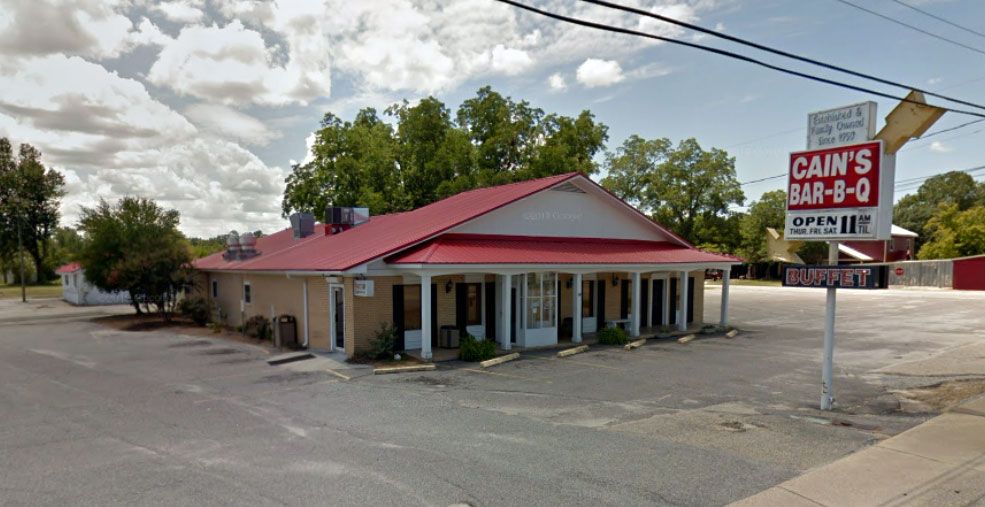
(247, 246)
(303, 225)
(232, 246)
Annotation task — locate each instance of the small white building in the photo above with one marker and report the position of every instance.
(78, 291)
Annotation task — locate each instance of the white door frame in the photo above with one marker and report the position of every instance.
(331, 315)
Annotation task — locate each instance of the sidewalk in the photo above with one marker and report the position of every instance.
(940, 463)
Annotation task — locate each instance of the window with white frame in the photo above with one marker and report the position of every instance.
(541, 300)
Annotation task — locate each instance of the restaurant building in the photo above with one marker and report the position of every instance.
(526, 264)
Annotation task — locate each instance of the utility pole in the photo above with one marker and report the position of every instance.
(20, 253)
(827, 389)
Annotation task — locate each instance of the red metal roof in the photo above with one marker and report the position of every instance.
(71, 267)
(492, 249)
(382, 235)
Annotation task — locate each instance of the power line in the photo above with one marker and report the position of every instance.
(784, 175)
(609, 28)
(911, 27)
(963, 125)
(938, 18)
(786, 54)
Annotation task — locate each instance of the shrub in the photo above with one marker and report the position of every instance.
(383, 343)
(472, 349)
(216, 327)
(612, 336)
(196, 308)
(259, 327)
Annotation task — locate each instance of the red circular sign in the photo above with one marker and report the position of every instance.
(899, 271)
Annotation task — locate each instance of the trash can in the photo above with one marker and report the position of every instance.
(448, 337)
(287, 329)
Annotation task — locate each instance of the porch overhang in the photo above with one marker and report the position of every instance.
(494, 253)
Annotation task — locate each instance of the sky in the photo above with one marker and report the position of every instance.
(203, 105)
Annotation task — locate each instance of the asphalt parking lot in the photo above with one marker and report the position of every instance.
(90, 415)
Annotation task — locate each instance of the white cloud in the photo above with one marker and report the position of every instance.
(510, 61)
(556, 82)
(939, 147)
(229, 123)
(595, 73)
(111, 138)
(935, 80)
(183, 11)
(233, 65)
(95, 29)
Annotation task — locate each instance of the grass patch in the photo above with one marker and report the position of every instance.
(45, 291)
(756, 283)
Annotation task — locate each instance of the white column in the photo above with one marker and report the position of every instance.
(426, 315)
(665, 311)
(726, 274)
(635, 326)
(576, 308)
(682, 315)
(504, 281)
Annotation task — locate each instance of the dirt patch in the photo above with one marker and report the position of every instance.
(236, 360)
(430, 381)
(219, 352)
(288, 377)
(939, 397)
(179, 325)
(195, 343)
(404, 361)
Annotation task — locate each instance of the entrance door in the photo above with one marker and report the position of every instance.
(658, 302)
(516, 309)
(338, 317)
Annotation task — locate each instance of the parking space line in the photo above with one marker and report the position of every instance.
(339, 375)
(265, 393)
(579, 362)
(521, 377)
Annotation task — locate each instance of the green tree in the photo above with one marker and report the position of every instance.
(354, 165)
(30, 195)
(686, 188)
(769, 211)
(431, 152)
(427, 155)
(136, 247)
(955, 233)
(914, 211)
(66, 243)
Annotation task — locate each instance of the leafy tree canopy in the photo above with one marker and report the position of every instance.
(30, 195)
(955, 233)
(686, 188)
(915, 211)
(428, 154)
(135, 246)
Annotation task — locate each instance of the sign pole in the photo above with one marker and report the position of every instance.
(827, 390)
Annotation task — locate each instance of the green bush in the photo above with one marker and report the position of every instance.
(612, 336)
(196, 308)
(259, 327)
(383, 343)
(472, 349)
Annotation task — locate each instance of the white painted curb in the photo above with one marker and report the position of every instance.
(635, 344)
(404, 369)
(499, 360)
(732, 334)
(572, 351)
(685, 339)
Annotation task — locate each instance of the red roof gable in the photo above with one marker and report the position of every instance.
(493, 249)
(71, 267)
(382, 235)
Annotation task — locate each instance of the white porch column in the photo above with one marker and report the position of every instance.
(505, 305)
(665, 311)
(426, 315)
(635, 326)
(725, 283)
(576, 309)
(682, 312)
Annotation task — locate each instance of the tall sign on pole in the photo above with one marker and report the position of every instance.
(841, 188)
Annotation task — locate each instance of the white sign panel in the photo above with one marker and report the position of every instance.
(362, 288)
(844, 125)
(838, 193)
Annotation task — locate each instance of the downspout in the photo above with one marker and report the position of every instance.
(304, 285)
(304, 303)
